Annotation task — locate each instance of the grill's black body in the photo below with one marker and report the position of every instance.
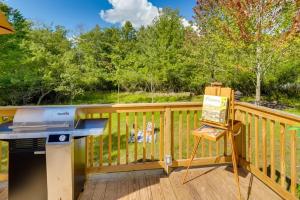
(27, 170)
(79, 166)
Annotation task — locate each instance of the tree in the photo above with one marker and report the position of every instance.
(160, 48)
(96, 48)
(47, 47)
(75, 76)
(260, 27)
(121, 51)
(14, 76)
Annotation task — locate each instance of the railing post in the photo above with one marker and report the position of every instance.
(293, 162)
(167, 138)
(241, 137)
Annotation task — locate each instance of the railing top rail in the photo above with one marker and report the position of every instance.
(273, 114)
(10, 110)
(276, 115)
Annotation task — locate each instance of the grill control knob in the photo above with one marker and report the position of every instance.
(62, 138)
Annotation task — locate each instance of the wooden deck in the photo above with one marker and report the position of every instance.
(211, 183)
(205, 183)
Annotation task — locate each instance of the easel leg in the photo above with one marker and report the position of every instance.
(192, 158)
(234, 162)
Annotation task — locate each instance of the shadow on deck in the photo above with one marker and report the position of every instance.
(205, 183)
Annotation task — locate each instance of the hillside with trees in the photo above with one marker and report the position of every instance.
(251, 46)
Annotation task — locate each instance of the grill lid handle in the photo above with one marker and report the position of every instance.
(44, 126)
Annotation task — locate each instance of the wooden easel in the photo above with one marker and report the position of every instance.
(230, 127)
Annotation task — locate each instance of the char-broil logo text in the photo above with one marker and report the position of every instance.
(63, 113)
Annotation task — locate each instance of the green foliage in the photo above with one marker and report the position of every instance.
(259, 39)
(42, 64)
(136, 97)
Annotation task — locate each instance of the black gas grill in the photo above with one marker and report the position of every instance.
(35, 138)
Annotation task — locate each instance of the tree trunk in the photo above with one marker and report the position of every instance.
(42, 97)
(258, 84)
(258, 56)
(259, 71)
(152, 90)
(118, 92)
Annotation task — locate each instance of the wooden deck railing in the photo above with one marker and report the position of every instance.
(172, 135)
(267, 148)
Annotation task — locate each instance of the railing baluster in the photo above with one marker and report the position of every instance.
(256, 118)
(144, 134)
(92, 152)
(1, 157)
(109, 138)
(167, 133)
(272, 149)
(127, 135)
(161, 135)
(152, 136)
(119, 139)
(293, 163)
(195, 119)
(282, 154)
(210, 148)
(100, 147)
(243, 134)
(195, 126)
(180, 136)
(188, 134)
(250, 117)
(89, 148)
(7, 156)
(225, 145)
(264, 145)
(217, 148)
(135, 135)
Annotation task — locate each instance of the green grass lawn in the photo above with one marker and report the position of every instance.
(136, 97)
(145, 97)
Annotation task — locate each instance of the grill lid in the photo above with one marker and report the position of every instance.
(44, 119)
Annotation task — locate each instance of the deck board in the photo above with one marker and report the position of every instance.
(210, 183)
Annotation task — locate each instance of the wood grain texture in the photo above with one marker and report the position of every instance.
(135, 136)
(256, 131)
(188, 134)
(100, 146)
(167, 132)
(119, 139)
(207, 183)
(180, 135)
(109, 138)
(293, 162)
(264, 144)
(152, 136)
(243, 135)
(250, 138)
(272, 149)
(161, 135)
(144, 133)
(282, 155)
(127, 136)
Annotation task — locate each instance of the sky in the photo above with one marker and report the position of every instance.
(85, 14)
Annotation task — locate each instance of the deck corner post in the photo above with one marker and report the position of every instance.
(167, 138)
